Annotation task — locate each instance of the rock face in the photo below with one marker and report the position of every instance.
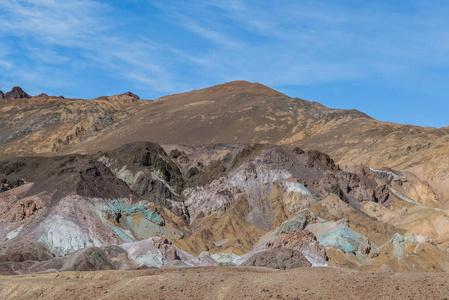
(160, 252)
(61, 123)
(2, 95)
(239, 201)
(282, 258)
(262, 192)
(81, 205)
(151, 253)
(132, 95)
(141, 159)
(87, 259)
(87, 178)
(16, 93)
(301, 241)
(263, 196)
(238, 112)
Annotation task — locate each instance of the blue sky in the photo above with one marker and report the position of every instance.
(389, 59)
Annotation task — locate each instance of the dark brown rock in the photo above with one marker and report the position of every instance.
(303, 241)
(6, 184)
(16, 93)
(87, 178)
(87, 259)
(131, 95)
(149, 156)
(278, 258)
(26, 209)
(382, 194)
(167, 248)
(316, 156)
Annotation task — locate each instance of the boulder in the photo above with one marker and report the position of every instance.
(302, 241)
(278, 258)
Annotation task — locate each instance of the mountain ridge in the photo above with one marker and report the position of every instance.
(235, 112)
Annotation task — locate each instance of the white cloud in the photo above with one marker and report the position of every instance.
(51, 32)
(312, 42)
(66, 23)
(275, 43)
(214, 36)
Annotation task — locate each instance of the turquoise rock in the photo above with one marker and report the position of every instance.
(397, 240)
(344, 238)
(149, 215)
(116, 207)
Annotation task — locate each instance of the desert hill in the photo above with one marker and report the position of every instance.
(231, 204)
(237, 112)
(45, 124)
(235, 174)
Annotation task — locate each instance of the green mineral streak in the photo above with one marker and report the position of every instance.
(224, 258)
(295, 223)
(143, 228)
(343, 238)
(116, 207)
(222, 242)
(397, 240)
(67, 245)
(139, 229)
(149, 215)
(121, 234)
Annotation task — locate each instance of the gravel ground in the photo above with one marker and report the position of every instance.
(227, 283)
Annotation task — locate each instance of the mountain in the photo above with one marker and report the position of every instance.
(235, 174)
(231, 204)
(44, 125)
(15, 93)
(237, 112)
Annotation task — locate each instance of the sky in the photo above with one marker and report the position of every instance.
(389, 59)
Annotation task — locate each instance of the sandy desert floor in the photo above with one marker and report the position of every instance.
(226, 283)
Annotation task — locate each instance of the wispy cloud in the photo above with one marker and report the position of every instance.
(160, 47)
(65, 23)
(74, 34)
(214, 36)
(307, 42)
(311, 42)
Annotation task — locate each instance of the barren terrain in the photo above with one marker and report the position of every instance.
(227, 283)
(230, 192)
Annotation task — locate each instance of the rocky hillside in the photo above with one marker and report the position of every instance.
(237, 112)
(46, 124)
(235, 174)
(228, 204)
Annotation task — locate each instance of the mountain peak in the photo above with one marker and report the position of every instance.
(130, 94)
(2, 95)
(243, 86)
(42, 95)
(16, 93)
